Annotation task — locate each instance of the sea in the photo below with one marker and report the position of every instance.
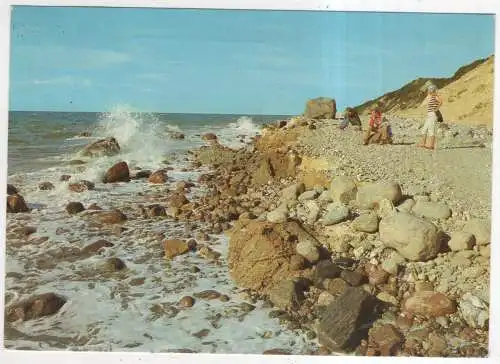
(135, 310)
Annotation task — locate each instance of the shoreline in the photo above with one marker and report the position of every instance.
(239, 192)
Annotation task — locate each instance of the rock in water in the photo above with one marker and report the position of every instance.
(81, 186)
(175, 247)
(371, 194)
(111, 217)
(414, 238)
(158, 177)
(16, 204)
(46, 186)
(321, 108)
(42, 305)
(118, 173)
(340, 327)
(102, 147)
(74, 208)
(12, 190)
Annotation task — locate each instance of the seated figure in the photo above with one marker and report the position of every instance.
(379, 131)
(350, 116)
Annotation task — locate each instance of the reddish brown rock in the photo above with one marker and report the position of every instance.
(386, 338)
(81, 186)
(158, 177)
(431, 304)
(74, 208)
(16, 204)
(111, 217)
(118, 173)
(174, 247)
(41, 305)
(376, 275)
(209, 136)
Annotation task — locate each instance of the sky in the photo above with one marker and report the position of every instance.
(228, 61)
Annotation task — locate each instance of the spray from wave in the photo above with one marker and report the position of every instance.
(238, 132)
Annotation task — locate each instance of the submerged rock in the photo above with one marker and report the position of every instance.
(12, 190)
(74, 208)
(81, 186)
(16, 204)
(118, 173)
(101, 147)
(38, 306)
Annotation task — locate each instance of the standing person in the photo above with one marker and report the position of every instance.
(429, 130)
(350, 116)
(378, 129)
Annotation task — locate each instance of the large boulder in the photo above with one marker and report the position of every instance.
(118, 173)
(343, 189)
(101, 147)
(321, 108)
(371, 194)
(335, 213)
(341, 325)
(261, 253)
(429, 304)
(292, 192)
(414, 238)
(16, 203)
(431, 210)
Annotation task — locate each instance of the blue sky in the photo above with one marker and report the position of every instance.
(228, 61)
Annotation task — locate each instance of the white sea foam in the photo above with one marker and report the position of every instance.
(238, 133)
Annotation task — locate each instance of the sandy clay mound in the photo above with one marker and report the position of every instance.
(467, 96)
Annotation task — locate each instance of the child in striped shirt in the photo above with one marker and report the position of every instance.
(430, 127)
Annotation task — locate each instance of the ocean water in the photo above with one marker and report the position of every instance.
(112, 313)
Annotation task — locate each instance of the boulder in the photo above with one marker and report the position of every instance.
(209, 137)
(386, 338)
(367, 223)
(308, 250)
(45, 304)
(429, 304)
(118, 173)
(158, 177)
(262, 253)
(414, 238)
(481, 229)
(343, 189)
(461, 240)
(392, 263)
(288, 294)
(46, 186)
(308, 211)
(113, 265)
(325, 269)
(321, 108)
(278, 215)
(175, 247)
(292, 192)
(101, 147)
(16, 204)
(81, 186)
(111, 217)
(335, 212)
(308, 195)
(431, 210)
(369, 195)
(474, 311)
(12, 190)
(74, 208)
(341, 324)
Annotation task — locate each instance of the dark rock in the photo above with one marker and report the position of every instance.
(81, 186)
(118, 173)
(16, 204)
(287, 294)
(353, 278)
(65, 177)
(113, 265)
(97, 246)
(74, 208)
(201, 333)
(102, 147)
(41, 305)
(12, 190)
(208, 294)
(28, 230)
(325, 269)
(341, 326)
(46, 186)
(111, 217)
(141, 174)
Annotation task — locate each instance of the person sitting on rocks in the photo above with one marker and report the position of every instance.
(350, 116)
(379, 130)
(431, 123)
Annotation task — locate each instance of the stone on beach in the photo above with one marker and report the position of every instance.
(343, 189)
(336, 212)
(474, 311)
(81, 186)
(158, 177)
(74, 208)
(175, 247)
(414, 238)
(111, 216)
(118, 173)
(291, 193)
(278, 215)
(431, 210)
(369, 195)
(367, 223)
(308, 250)
(481, 229)
(321, 108)
(340, 326)
(461, 240)
(287, 294)
(429, 304)
(46, 186)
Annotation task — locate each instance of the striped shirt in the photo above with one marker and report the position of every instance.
(433, 104)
